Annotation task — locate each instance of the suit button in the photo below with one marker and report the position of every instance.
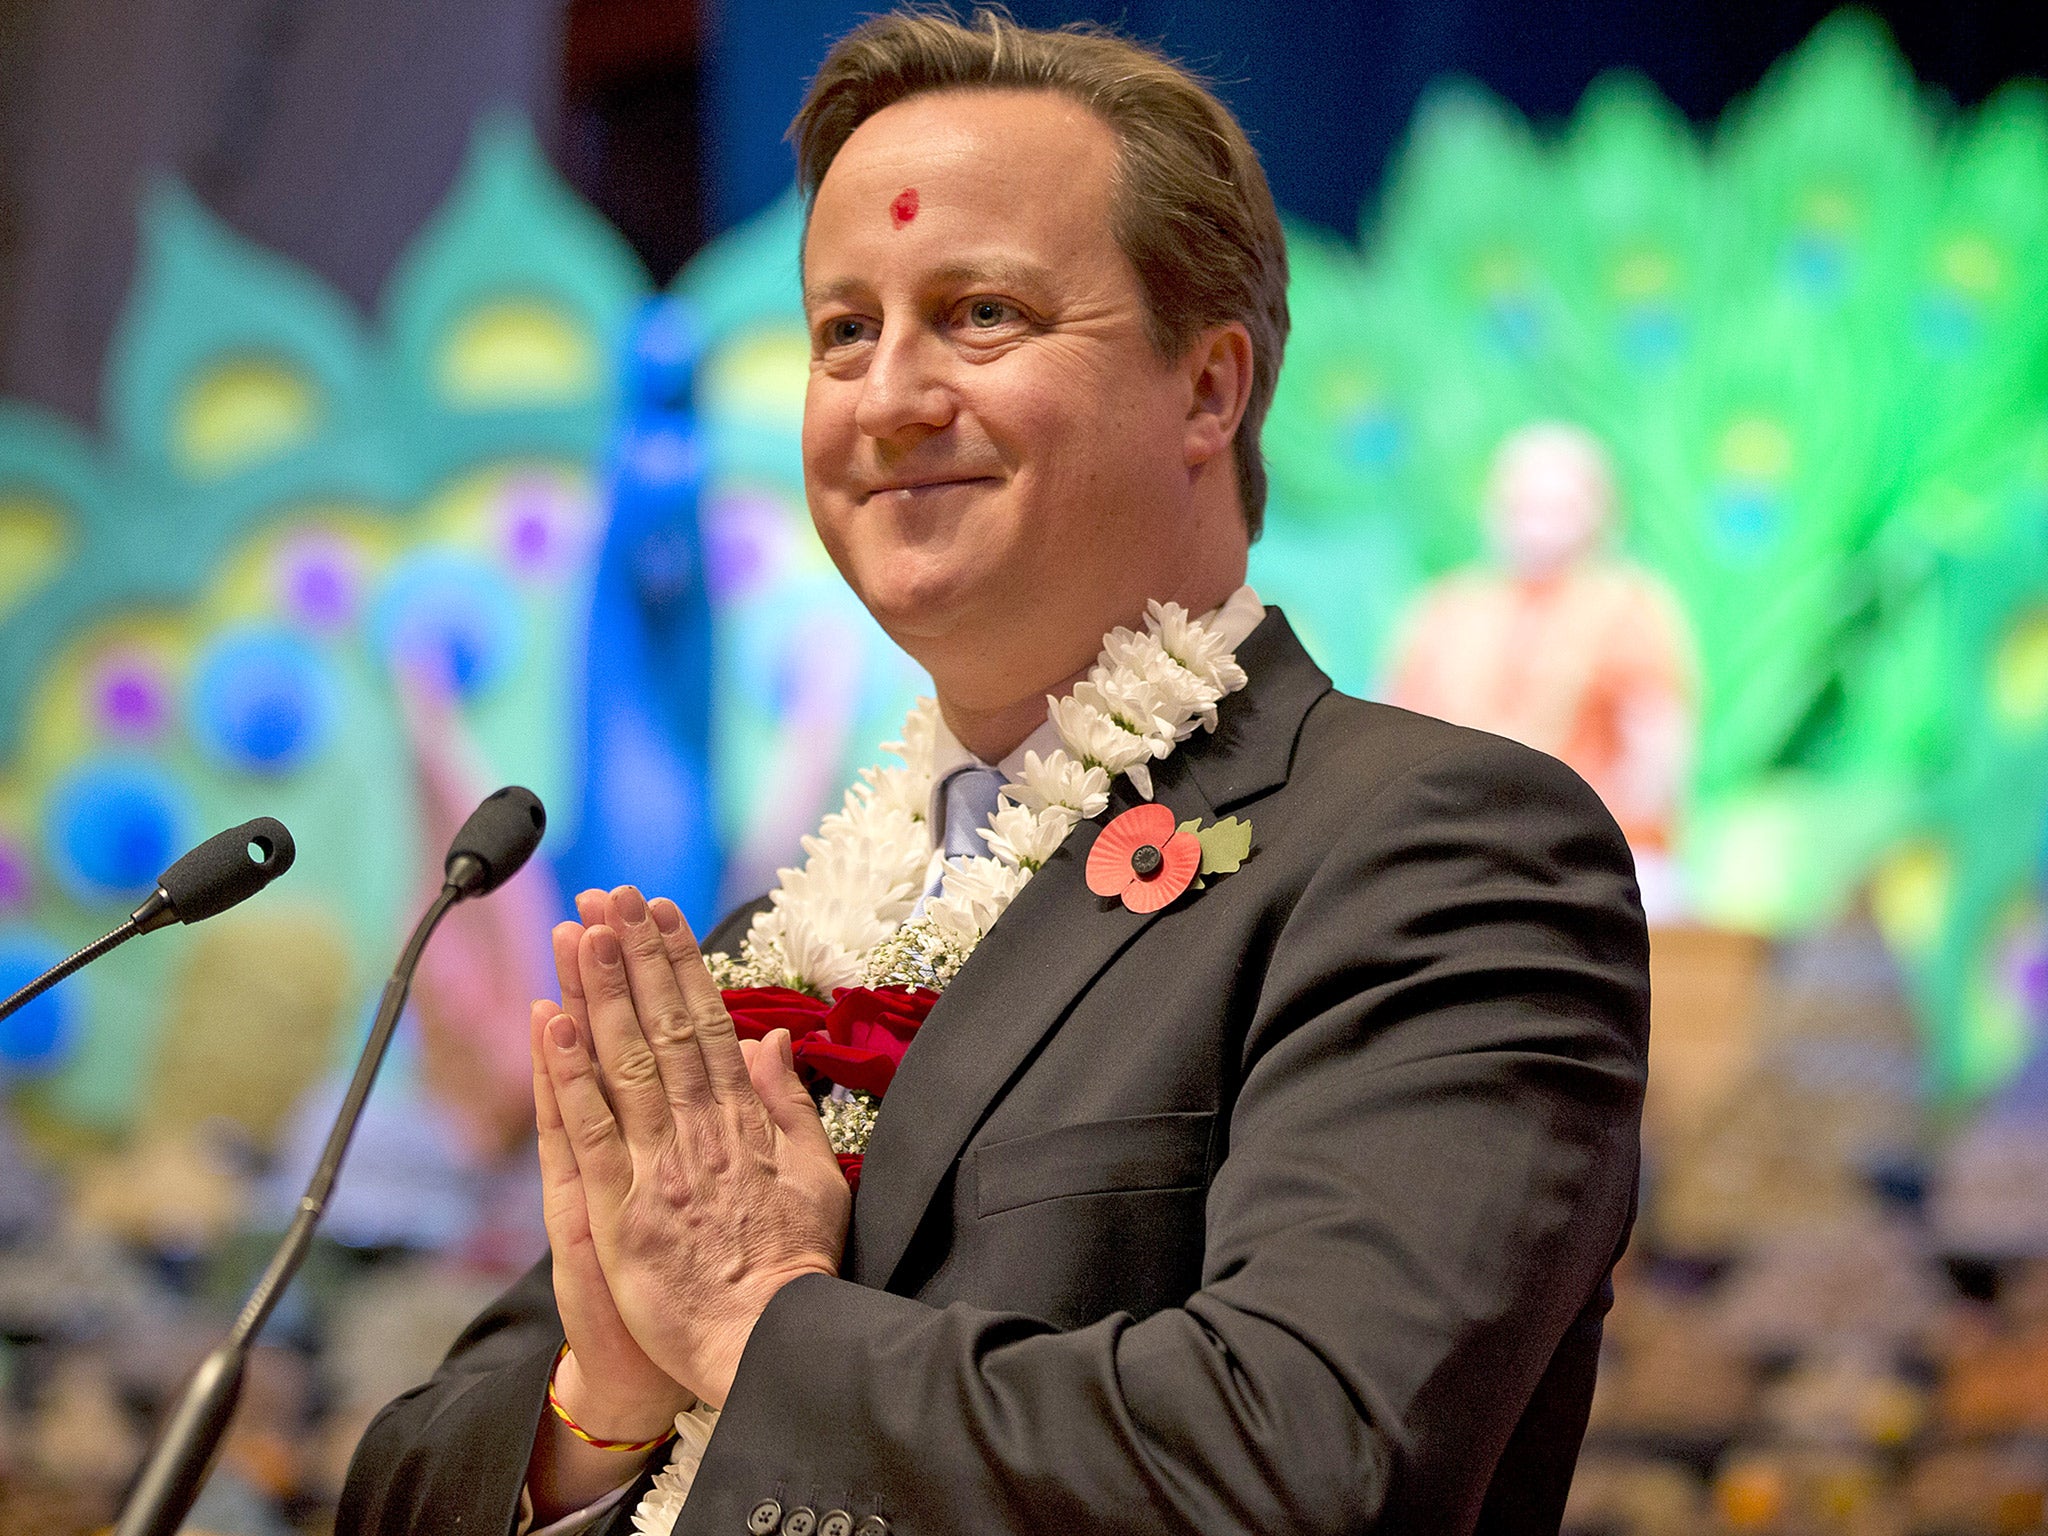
(874, 1525)
(767, 1514)
(801, 1521)
(837, 1522)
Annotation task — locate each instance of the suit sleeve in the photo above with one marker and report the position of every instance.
(451, 1454)
(1430, 1169)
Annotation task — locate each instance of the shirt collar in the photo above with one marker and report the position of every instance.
(1233, 622)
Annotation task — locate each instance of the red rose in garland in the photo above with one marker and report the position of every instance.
(867, 1030)
(854, 1042)
(756, 1010)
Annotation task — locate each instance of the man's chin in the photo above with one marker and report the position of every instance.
(925, 614)
(930, 608)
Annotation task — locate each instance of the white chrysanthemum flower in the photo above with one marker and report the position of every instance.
(920, 737)
(1137, 652)
(881, 854)
(990, 882)
(1179, 696)
(1189, 699)
(1019, 836)
(1057, 779)
(1095, 738)
(815, 961)
(763, 942)
(1195, 646)
(848, 887)
(893, 789)
(866, 837)
(1133, 702)
(861, 820)
(658, 1508)
(976, 892)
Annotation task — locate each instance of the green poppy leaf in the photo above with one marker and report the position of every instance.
(1224, 845)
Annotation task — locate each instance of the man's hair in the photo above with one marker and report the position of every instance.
(1191, 209)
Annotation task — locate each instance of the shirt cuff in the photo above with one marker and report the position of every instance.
(572, 1522)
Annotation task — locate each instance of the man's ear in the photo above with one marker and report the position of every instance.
(1219, 371)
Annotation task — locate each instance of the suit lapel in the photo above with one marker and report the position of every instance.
(1048, 948)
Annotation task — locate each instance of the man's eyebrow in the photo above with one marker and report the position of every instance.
(845, 288)
(994, 272)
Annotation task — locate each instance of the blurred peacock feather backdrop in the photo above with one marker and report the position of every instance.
(536, 523)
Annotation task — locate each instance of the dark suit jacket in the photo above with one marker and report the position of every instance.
(1291, 1208)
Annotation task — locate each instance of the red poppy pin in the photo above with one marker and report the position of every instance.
(1148, 860)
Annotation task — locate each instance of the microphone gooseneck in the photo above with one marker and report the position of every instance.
(77, 961)
(228, 867)
(500, 835)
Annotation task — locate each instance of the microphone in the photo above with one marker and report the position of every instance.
(227, 868)
(499, 837)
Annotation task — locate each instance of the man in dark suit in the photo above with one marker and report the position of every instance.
(1290, 1207)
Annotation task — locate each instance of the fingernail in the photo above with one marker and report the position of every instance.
(562, 1031)
(605, 945)
(631, 907)
(788, 1049)
(666, 914)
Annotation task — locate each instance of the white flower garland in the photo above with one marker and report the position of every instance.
(839, 919)
(832, 920)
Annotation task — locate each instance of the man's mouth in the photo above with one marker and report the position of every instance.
(912, 489)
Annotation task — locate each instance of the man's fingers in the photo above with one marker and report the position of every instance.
(685, 1018)
(789, 1102)
(564, 940)
(632, 1077)
(603, 1164)
(562, 1206)
(545, 1110)
(684, 956)
(717, 1039)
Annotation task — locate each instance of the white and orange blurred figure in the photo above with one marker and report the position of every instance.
(1565, 646)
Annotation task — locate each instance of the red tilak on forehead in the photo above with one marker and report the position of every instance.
(904, 209)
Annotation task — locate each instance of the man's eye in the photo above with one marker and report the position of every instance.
(844, 333)
(986, 314)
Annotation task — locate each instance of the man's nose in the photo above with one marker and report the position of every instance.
(904, 389)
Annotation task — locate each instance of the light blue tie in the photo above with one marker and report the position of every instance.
(972, 795)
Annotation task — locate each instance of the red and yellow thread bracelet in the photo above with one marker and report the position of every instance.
(555, 1403)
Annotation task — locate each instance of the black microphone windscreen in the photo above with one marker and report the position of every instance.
(228, 867)
(498, 838)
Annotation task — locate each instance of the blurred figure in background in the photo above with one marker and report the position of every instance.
(1564, 646)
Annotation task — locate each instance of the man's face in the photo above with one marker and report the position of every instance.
(1549, 499)
(995, 456)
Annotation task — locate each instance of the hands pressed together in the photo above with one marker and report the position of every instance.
(686, 1175)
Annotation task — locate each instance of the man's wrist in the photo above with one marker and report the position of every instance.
(609, 1415)
(729, 1344)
